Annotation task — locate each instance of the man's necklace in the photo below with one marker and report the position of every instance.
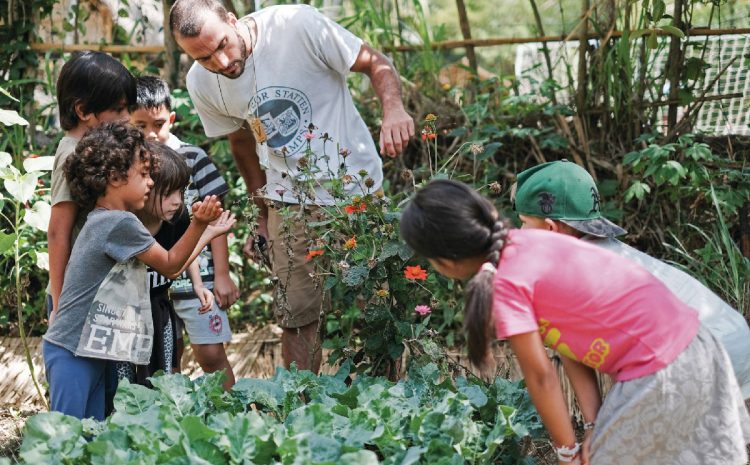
(253, 119)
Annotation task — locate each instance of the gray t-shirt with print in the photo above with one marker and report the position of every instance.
(107, 238)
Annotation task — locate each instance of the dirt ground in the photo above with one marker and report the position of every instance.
(11, 428)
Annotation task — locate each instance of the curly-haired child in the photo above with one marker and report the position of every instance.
(101, 313)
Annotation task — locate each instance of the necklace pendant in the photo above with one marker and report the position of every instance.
(258, 130)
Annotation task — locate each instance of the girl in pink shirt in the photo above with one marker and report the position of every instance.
(676, 400)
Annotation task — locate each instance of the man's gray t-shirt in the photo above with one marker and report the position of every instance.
(108, 237)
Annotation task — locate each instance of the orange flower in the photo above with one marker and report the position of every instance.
(415, 273)
(355, 207)
(351, 243)
(312, 254)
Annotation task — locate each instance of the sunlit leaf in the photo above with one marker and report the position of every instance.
(38, 164)
(671, 30)
(5, 159)
(6, 242)
(22, 189)
(42, 260)
(38, 215)
(11, 118)
(7, 94)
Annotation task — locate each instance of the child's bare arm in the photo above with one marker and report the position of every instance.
(204, 295)
(586, 388)
(172, 262)
(61, 221)
(225, 289)
(544, 387)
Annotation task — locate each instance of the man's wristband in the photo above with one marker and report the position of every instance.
(589, 426)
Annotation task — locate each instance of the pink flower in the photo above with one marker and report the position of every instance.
(423, 309)
(309, 136)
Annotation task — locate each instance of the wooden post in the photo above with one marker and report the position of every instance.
(545, 49)
(674, 67)
(463, 20)
(172, 71)
(583, 46)
(744, 214)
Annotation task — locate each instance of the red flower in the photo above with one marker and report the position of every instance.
(313, 253)
(415, 273)
(355, 207)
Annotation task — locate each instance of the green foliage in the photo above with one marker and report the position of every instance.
(297, 418)
(24, 214)
(687, 168)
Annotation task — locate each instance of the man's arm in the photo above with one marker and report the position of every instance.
(397, 126)
(242, 144)
(59, 232)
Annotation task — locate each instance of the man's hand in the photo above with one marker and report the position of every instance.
(225, 290)
(249, 248)
(395, 132)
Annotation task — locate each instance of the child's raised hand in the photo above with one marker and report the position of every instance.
(222, 225)
(206, 298)
(207, 210)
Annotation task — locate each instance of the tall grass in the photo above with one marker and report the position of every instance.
(719, 264)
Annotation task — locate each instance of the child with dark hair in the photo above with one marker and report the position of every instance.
(103, 311)
(676, 399)
(165, 217)
(210, 330)
(92, 88)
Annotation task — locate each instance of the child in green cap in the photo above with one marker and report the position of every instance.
(561, 196)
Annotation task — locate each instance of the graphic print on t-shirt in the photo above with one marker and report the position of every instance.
(285, 114)
(594, 357)
(119, 324)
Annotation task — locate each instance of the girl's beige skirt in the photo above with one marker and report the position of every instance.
(689, 413)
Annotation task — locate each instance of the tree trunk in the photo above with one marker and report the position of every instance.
(545, 49)
(583, 46)
(466, 33)
(172, 71)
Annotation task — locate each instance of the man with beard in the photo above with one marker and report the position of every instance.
(273, 82)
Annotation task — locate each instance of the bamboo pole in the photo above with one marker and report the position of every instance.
(545, 49)
(582, 69)
(46, 47)
(449, 44)
(674, 66)
(172, 71)
(463, 21)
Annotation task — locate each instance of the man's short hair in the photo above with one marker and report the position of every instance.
(187, 17)
(153, 93)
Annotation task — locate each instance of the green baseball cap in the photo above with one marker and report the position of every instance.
(561, 190)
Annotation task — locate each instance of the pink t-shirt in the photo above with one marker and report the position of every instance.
(589, 305)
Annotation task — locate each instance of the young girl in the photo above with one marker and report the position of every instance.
(676, 400)
(165, 218)
(102, 309)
